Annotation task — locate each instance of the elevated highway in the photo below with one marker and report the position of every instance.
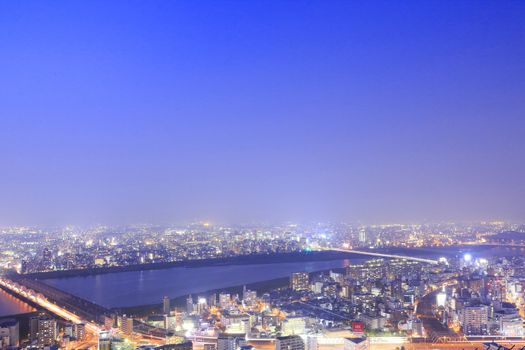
(382, 255)
(41, 300)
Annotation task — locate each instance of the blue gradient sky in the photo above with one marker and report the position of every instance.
(162, 111)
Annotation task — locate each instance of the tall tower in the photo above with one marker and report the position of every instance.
(166, 305)
(362, 235)
(189, 304)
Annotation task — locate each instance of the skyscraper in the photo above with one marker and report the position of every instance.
(362, 236)
(189, 304)
(166, 305)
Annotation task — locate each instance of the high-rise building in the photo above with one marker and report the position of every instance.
(166, 307)
(299, 281)
(189, 304)
(43, 330)
(126, 324)
(249, 297)
(201, 305)
(212, 299)
(474, 319)
(291, 342)
(224, 300)
(362, 235)
(104, 341)
(79, 331)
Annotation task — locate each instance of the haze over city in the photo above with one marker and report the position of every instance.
(125, 112)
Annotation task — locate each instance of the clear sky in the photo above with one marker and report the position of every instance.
(163, 111)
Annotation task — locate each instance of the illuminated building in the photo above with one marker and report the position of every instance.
(79, 331)
(474, 319)
(441, 299)
(249, 297)
(43, 329)
(293, 326)
(299, 281)
(201, 305)
(126, 324)
(224, 300)
(511, 326)
(104, 341)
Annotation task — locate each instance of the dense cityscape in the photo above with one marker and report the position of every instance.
(30, 250)
(262, 175)
(369, 302)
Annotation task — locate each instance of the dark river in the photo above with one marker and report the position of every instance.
(148, 287)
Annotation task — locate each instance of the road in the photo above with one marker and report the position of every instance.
(440, 346)
(48, 305)
(382, 255)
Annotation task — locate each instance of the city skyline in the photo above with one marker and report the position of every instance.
(125, 112)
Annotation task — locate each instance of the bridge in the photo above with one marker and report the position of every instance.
(382, 255)
(44, 302)
(72, 308)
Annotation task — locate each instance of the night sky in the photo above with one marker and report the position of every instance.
(241, 111)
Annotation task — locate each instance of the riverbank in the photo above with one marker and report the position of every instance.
(151, 309)
(261, 288)
(239, 260)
